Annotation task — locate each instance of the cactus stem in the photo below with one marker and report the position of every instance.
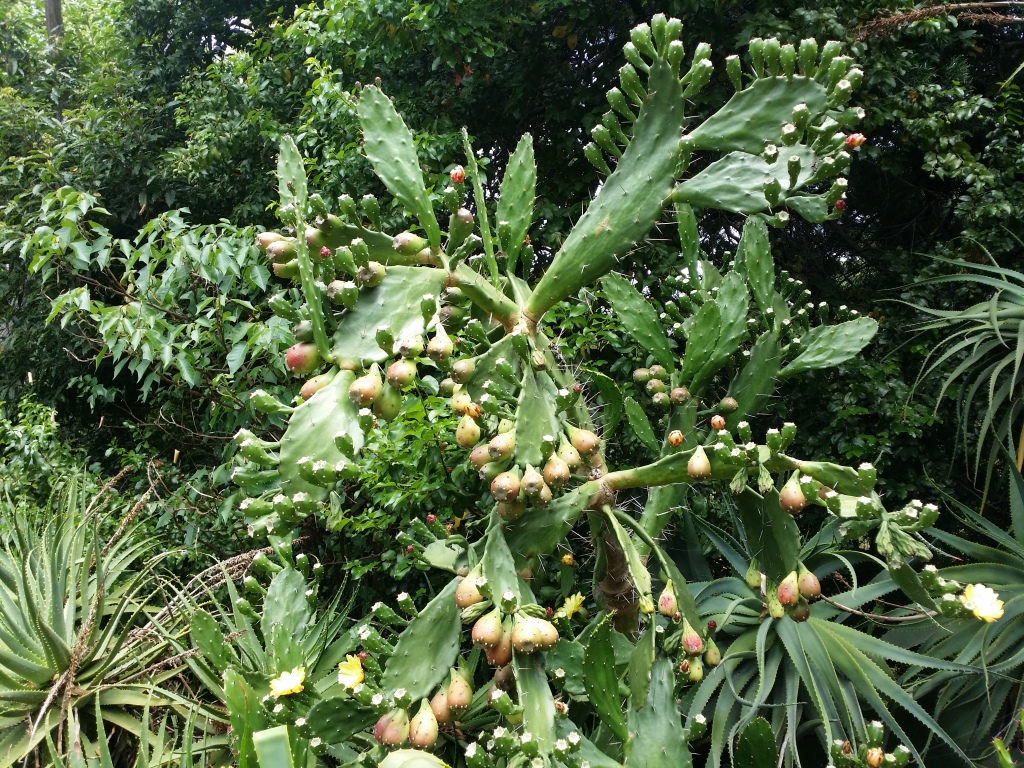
(473, 171)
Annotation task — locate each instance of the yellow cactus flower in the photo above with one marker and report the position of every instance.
(982, 601)
(288, 683)
(350, 671)
(571, 605)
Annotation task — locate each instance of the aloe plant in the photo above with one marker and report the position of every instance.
(454, 312)
(68, 602)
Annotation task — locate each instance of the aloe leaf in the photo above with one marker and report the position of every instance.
(600, 681)
(828, 346)
(389, 146)
(638, 318)
(427, 649)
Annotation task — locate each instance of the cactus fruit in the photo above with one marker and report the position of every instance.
(675, 438)
(571, 457)
(505, 487)
(468, 592)
(480, 456)
(303, 330)
(699, 466)
(691, 641)
(468, 432)
(642, 375)
(753, 577)
(265, 239)
(556, 472)
(679, 395)
(501, 445)
(696, 671)
(457, 174)
(505, 675)
(668, 604)
(808, 584)
(408, 244)
(531, 634)
(302, 358)
(401, 373)
(584, 441)
(439, 706)
(658, 372)
(371, 274)
(500, 654)
(791, 497)
(532, 482)
(788, 591)
(462, 371)
(423, 728)
(487, 630)
(801, 611)
(460, 693)
(389, 404)
(440, 348)
(854, 140)
(315, 384)
(712, 655)
(510, 511)
(717, 422)
(366, 389)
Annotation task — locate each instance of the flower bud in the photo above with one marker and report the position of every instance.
(667, 602)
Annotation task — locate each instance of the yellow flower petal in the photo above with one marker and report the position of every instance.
(350, 671)
(288, 683)
(983, 602)
(571, 605)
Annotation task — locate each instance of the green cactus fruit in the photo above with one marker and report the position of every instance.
(302, 358)
(505, 487)
(389, 404)
(459, 228)
(642, 375)
(315, 384)
(531, 634)
(510, 511)
(303, 331)
(656, 386)
(367, 388)
(460, 693)
(423, 728)
(788, 591)
(729, 404)
(461, 402)
(801, 611)
(487, 630)
(462, 371)
(286, 270)
(343, 293)
(371, 274)
(712, 656)
(556, 472)
(408, 244)
(447, 387)
(668, 604)
(791, 497)
(282, 251)
(439, 707)
(410, 346)
(699, 466)
(532, 482)
(468, 432)
(808, 584)
(658, 372)
(501, 445)
(440, 348)
(583, 440)
(265, 239)
(401, 373)
(696, 672)
(544, 496)
(753, 577)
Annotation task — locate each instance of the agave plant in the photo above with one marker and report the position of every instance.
(69, 600)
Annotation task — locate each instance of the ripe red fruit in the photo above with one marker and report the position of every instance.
(840, 205)
(854, 140)
(457, 174)
(431, 518)
(325, 252)
(302, 358)
(712, 626)
(717, 422)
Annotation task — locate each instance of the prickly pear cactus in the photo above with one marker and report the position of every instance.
(384, 311)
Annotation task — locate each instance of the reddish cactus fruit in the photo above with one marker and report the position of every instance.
(423, 728)
(314, 385)
(468, 433)
(487, 631)
(556, 472)
(791, 497)
(505, 487)
(401, 373)
(584, 441)
(854, 140)
(457, 174)
(460, 693)
(302, 358)
(439, 706)
(675, 438)
(717, 422)
(808, 584)
(501, 654)
(468, 593)
(668, 604)
(788, 592)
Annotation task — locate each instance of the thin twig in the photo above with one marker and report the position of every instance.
(878, 616)
(886, 25)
